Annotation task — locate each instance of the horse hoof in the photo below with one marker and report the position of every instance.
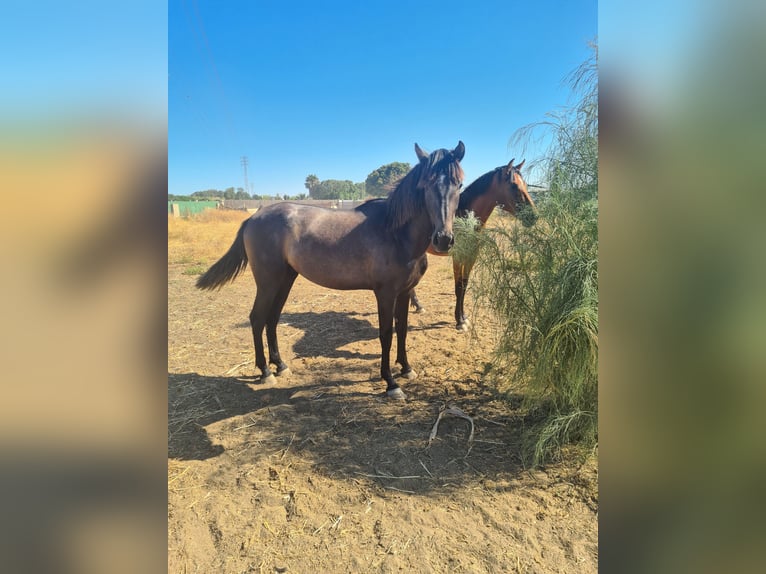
(462, 327)
(269, 380)
(419, 309)
(396, 394)
(409, 374)
(283, 372)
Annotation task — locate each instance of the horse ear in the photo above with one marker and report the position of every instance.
(518, 167)
(459, 152)
(420, 153)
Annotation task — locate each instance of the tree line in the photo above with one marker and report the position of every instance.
(228, 193)
(377, 184)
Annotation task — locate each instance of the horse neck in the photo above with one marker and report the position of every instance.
(481, 201)
(418, 232)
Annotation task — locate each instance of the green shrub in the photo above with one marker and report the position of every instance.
(541, 282)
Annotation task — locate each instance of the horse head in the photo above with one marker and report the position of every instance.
(515, 196)
(441, 179)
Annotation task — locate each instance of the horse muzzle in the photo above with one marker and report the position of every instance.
(528, 217)
(442, 241)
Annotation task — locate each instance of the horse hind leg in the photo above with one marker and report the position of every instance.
(415, 302)
(258, 316)
(273, 319)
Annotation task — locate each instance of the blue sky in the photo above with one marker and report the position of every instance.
(338, 89)
(70, 61)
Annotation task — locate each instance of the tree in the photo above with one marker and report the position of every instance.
(241, 194)
(312, 181)
(229, 193)
(380, 181)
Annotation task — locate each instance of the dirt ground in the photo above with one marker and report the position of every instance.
(321, 473)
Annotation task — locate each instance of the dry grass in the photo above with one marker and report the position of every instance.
(200, 240)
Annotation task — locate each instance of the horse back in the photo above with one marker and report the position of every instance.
(339, 249)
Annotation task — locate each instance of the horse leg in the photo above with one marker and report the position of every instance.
(273, 319)
(401, 312)
(263, 301)
(386, 331)
(461, 283)
(416, 306)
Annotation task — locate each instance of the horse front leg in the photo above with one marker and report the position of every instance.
(461, 273)
(386, 331)
(401, 313)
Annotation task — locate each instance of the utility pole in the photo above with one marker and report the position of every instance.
(243, 161)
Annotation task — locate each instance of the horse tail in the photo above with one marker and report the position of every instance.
(227, 267)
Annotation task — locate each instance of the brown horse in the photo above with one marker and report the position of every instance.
(504, 187)
(381, 245)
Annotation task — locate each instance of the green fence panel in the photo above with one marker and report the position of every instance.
(187, 208)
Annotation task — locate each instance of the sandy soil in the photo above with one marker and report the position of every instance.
(321, 473)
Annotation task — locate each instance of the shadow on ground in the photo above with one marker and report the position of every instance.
(326, 333)
(342, 426)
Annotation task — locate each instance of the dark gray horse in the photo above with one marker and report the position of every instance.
(381, 245)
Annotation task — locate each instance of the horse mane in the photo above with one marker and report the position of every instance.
(408, 197)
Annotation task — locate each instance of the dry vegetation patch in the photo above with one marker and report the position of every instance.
(199, 240)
